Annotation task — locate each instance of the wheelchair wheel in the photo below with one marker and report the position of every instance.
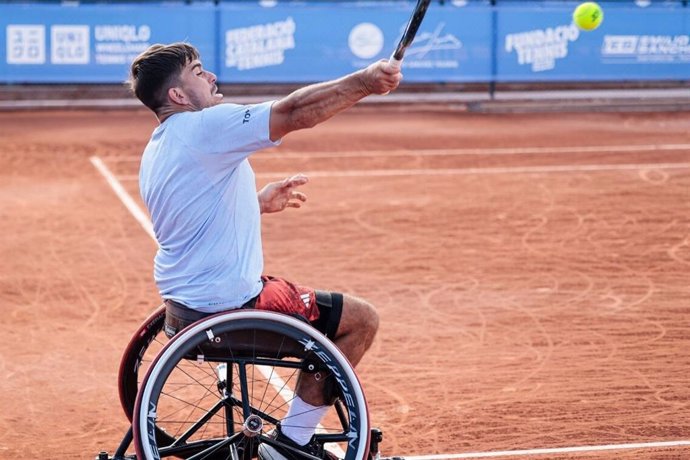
(145, 344)
(220, 386)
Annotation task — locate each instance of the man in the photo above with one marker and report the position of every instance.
(200, 192)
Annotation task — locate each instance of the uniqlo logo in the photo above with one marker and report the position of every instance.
(26, 44)
(69, 44)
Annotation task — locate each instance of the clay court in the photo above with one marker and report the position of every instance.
(532, 273)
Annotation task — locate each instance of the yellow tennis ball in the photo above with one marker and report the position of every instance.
(588, 16)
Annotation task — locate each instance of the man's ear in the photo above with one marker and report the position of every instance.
(176, 95)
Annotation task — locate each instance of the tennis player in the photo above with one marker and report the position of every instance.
(200, 191)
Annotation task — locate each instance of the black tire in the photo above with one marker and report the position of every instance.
(145, 344)
(184, 395)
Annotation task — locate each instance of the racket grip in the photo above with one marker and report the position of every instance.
(396, 64)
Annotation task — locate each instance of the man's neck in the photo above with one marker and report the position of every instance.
(166, 112)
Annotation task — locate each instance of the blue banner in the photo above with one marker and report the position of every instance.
(312, 42)
(540, 43)
(94, 43)
(297, 42)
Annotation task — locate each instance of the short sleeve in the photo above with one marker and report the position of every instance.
(233, 128)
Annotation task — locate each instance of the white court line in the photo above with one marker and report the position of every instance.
(480, 151)
(277, 382)
(556, 450)
(456, 152)
(125, 197)
(142, 218)
(467, 171)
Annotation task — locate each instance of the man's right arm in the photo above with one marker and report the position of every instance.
(314, 104)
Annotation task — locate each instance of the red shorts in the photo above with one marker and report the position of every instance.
(322, 309)
(282, 296)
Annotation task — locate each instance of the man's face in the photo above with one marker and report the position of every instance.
(199, 86)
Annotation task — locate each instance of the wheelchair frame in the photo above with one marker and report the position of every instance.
(209, 392)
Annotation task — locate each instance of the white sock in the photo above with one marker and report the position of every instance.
(300, 422)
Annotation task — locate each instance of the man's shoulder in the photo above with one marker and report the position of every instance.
(226, 108)
(222, 108)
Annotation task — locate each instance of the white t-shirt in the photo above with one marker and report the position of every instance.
(201, 194)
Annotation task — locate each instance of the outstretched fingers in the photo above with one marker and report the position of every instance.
(295, 181)
(296, 199)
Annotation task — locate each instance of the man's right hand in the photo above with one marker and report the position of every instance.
(381, 77)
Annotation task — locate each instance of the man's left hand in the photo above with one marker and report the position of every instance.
(277, 196)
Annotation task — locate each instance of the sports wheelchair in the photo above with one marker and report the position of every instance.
(219, 387)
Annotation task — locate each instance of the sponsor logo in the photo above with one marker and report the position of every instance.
(305, 299)
(431, 49)
(263, 45)
(346, 392)
(120, 43)
(26, 44)
(436, 49)
(151, 430)
(69, 44)
(122, 33)
(646, 48)
(541, 48)
(365, 40)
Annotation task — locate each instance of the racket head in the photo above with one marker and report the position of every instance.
(411, 29)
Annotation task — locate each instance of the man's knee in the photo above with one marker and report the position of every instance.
(358, 317)
(372, 318)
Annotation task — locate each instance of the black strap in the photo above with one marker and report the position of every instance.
(178, 316)
(331, 309)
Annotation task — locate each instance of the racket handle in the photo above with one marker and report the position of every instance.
(396, 64)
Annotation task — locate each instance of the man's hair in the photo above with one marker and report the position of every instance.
(158, 69)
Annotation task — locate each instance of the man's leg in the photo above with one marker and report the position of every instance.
(356, 331)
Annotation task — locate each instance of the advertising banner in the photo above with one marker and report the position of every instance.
(317, 41)
(93, 43)
(538, 42)
(297, 42)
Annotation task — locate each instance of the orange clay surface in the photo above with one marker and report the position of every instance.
(532, 273)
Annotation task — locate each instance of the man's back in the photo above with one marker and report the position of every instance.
(200, 191)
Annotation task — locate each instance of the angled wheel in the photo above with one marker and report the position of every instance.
(145, 344)
(220, 386)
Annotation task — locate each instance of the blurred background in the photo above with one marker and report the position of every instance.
(472, 53)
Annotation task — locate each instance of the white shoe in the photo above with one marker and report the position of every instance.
(292, 449)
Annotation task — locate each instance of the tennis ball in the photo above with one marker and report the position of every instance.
(588, 16)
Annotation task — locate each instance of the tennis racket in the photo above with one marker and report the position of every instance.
(410, 31)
